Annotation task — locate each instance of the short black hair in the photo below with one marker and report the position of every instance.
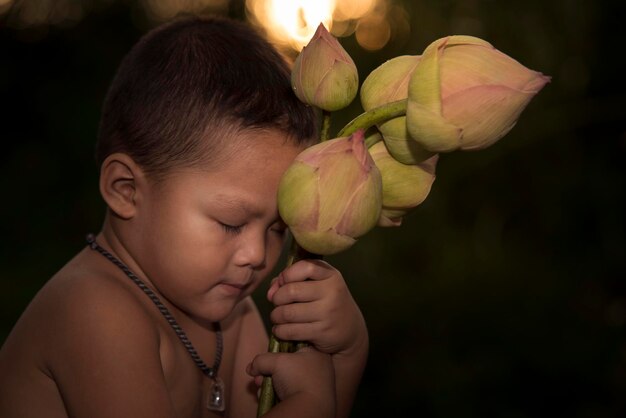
(193, 78)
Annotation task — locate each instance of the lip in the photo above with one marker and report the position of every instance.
(233, 288)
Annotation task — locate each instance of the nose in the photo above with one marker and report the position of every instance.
(251, 253)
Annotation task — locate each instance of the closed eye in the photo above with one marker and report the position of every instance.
(279, 231)
(231, 229)
(279, 228)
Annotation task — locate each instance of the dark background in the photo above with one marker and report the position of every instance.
(503, 295)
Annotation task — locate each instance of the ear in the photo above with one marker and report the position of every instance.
(120, 178)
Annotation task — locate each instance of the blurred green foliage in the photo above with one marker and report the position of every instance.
(503, 295)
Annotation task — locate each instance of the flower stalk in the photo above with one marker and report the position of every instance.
(267, 397)
(374, 117)
(461, 93)
(324, 133)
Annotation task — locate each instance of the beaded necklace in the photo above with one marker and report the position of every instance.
(215, 400)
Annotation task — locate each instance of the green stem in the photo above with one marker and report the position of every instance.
(325, 126)
(267, 398)
(371, 140)
(374, 117)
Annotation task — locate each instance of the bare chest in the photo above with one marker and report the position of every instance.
(191, 391)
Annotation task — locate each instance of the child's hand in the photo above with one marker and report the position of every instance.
(304, 381)
(314, 304)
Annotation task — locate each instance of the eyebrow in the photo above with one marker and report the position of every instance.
(229, 203)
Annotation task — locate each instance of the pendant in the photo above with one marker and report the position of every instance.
(216, 395)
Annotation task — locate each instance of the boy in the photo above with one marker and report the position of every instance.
(154, 317)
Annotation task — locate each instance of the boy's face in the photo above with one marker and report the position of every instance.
(208, 238)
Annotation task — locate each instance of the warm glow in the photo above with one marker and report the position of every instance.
(353, 9)
(373, 32)
(28, 13)
(293, 22)
(289, 24)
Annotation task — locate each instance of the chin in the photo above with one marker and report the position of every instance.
(216, 312)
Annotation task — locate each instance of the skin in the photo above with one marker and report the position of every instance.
(314, 304)
(91, 344)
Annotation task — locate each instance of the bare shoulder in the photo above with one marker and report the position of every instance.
(92, 335)
(81, 301)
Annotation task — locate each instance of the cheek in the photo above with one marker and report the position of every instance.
(185, 244)
(184, 229)
(275, 246)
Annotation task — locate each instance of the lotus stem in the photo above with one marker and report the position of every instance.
(371, 140)
(267, 398)
(324, 134)
(374, 117)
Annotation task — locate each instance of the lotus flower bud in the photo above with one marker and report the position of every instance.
(466, 94)
(389, 83)
(331, 195)
(324, 75)
(404, 186)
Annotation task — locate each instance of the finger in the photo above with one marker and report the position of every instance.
(296, 313)
(263, 364)
(274, 286)
(296, 332)
(306, 269)
(297, 292)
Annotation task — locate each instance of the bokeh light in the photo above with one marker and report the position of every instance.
(502, 295)
(373, 32)
(35, 13)
(5, 5)
(29, 13)
(288, 23)
(292, 23)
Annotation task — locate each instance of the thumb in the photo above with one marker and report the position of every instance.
(274, 286)
(263, 364)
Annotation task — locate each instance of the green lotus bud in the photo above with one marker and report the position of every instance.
(465, 94)
(404, 186)
(389, 83)
(324, 75)
(331, 195)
